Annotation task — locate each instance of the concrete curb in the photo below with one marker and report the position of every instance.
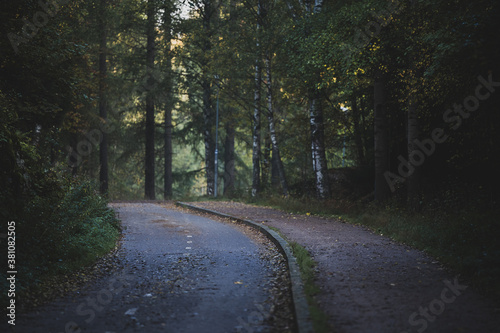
(301, 307)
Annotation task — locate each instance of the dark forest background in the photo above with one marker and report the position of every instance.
(383, 112)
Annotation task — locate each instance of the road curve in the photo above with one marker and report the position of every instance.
(179, 273)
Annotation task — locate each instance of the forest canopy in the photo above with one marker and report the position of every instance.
(361, 100)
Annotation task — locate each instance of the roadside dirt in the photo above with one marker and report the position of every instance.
(371, 284)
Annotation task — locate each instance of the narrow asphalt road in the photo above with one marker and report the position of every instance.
(179, 273)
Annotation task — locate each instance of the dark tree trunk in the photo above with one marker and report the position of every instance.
(415, 156)
(266, 159)
(208, 110)
(150, 107)
(366, 134)
(316, 122)
(229, 141)
(168, 179)
(318, 146)
(229, 162)
(103, 112)
(358, 135)
(256, 147)
(272, 127)
(381, 138)
(413, 184)
(208, 119)
(275, 176)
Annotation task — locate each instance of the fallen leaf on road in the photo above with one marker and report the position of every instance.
(131, 312)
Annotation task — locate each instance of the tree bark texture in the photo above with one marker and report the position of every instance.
(272, 127)
(256, 144)
(266, 159)
(229, 159)
(358, 135)
(103, 112)
(413, 183)
(168, 152)
(208, 123)
(150, 107)
(381, 140)
(208, 110)
(320, 166)
(318, 146)
(168, 179)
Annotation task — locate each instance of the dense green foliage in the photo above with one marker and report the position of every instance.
(70, 228)
(61, 230)
(46, 105)
(429, 51)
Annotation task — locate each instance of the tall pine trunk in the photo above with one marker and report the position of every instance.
(256, 144)
(208, 120)
(103, 112)
(229, 161)
(272, 127)
(150, 107)
(358, 135)
(266, 159)
(168, 153)
(168, 178)
(320, 167)
(413, 129)
(229, 141)
(381, 138)
(318, 145)
(413, 183)
(275, 176)
(208, 110)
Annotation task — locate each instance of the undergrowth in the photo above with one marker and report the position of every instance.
(62, 231)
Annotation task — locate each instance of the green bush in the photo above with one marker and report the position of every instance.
(64, 229)
(69, 231)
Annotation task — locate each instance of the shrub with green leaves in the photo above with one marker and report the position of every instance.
(65, 230)
(64, 225)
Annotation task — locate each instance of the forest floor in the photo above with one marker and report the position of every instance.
(370, 283)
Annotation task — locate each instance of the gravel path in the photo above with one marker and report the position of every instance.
(372, 284)
(176, 272)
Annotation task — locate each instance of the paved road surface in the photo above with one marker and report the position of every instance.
(180, 273)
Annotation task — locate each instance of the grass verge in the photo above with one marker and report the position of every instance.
(307, 271)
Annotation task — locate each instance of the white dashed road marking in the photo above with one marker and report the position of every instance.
(189, 242)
